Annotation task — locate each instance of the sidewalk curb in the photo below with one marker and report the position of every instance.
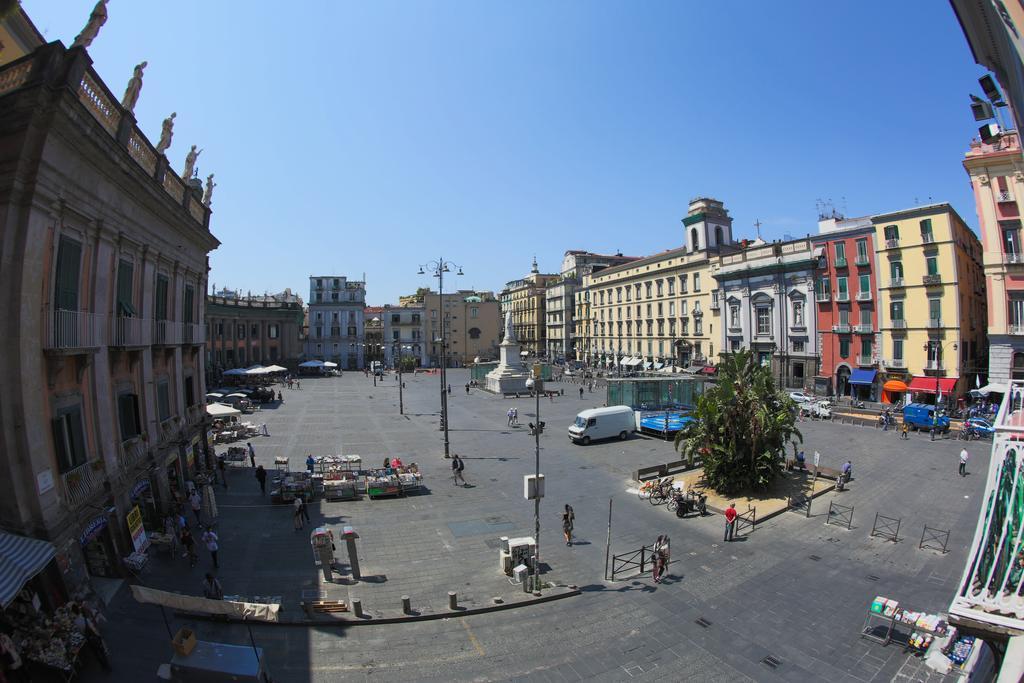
(353, 621)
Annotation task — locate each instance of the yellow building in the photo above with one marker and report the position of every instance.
(931, 302)
(525, 299)
(662, 309)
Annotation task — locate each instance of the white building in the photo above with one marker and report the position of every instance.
(336, 320)
(767, 296)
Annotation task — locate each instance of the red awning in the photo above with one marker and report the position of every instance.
(927, 385)
(709, 369)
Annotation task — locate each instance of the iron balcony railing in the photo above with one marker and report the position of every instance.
(126, 331)
(65, 330)
(822, 297)
(898, 324)
(896, 282)
(892, 243)
(842, 328)
(82, 482)
(991, 590)
(896, 363)
(932, 279)
(865, 360)
(130, 453)
(863, 296)
(863, 328)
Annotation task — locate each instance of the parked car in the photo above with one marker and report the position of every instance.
(979, 425)
(923, 416)
(800, 397)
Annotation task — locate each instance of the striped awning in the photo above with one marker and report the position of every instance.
(21, 558)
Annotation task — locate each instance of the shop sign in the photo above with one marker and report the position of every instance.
(44, 481)
(135, 528)
(140, 486)
(93, 529)
(170, 459)
(190, 456)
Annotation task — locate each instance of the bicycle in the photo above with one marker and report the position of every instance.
(661, 493)
(644, 490)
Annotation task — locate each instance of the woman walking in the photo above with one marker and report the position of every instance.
(661, 554)
(568, 518)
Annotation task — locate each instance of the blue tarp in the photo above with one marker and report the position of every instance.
(863, 377)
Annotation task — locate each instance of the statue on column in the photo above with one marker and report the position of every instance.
(510, 334)
(92, 27)
(131, 93)
(190, 163)
(208, 195)
(166, 134)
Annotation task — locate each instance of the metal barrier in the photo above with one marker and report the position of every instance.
(886, 527)
(842, 514)
(747, 520)
(934, 539)
(621, 563)
(798, 503)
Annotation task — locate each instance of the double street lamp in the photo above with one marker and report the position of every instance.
(437, 269)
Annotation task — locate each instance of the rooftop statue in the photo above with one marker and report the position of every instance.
(92, 27)
(131, 93)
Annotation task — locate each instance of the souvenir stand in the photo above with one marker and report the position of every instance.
(337, 476)
(919, 632)
(50, 642)
(288, 485)
(397, 480)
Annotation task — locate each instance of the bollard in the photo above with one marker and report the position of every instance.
(406, 604)
(453, 600)
(357, 608)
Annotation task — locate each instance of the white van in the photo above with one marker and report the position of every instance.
(602, 423)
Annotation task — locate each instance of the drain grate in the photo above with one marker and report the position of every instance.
(702, 622)
(872, 577)
(772, 662)
(815, 557)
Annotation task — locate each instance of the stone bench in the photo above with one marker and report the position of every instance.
(654, 472)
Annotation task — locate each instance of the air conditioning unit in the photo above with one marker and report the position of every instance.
(520, 572)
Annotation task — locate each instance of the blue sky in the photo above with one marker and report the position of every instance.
(369, 138)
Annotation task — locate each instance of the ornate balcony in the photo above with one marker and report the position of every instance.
(862, 260)
(935, 323)
(898, 324)
(167, 333)
(72, 330)
(125, 332)
(81, 483)
(932, 279)
(896, 282)
(863, 296)
(863, 328)
(131, 453)
(840, 262)
(1013, 258)
(841, 328)
(896, 363)
(865, 360)
(893, 243)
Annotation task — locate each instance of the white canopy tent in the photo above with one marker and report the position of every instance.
(993, 388)
(236, 371)
(275, 368)
(214, 394)
(221, 410)
(329, 364)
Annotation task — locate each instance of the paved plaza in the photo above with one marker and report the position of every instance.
(794, 589)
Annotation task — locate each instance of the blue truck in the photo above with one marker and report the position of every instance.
(923, 416)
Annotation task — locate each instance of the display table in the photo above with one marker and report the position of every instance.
(339, 489)
(888, 622)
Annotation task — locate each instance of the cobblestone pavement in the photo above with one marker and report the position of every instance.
(794, 589)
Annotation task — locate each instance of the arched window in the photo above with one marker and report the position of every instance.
(718, 235)
(474, 333)
(694, 243)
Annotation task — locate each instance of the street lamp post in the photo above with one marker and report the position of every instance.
(437, 269)
(536, 385)
(401, 405)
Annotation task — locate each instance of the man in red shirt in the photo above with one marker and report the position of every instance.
(730, 521)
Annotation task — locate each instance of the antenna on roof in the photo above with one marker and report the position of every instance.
(757, 228)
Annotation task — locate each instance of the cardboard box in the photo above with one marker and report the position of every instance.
(184, 641)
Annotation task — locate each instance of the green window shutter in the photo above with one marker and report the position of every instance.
(161, 298)
(69, 263)
(125, 273)
(926, 226)
(77, 437)
(189, 302)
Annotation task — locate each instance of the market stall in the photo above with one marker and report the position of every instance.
(923, 633)
(49, 642)
(337, 476)
(289, 485)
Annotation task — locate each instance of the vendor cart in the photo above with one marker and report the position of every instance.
(322, 542)
(380, 484)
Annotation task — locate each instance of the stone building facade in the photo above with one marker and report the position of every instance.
(525, 299)
(243, 331)
(472, 323)
(335, 324)
(105, 262)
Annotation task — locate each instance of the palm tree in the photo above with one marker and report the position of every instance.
(741, 427)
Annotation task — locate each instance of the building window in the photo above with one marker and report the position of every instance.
(862, 250)
(897, 349)
(254, 330)
(926, 230)
(659, 288)
(190, 391)
(844, 348)
(128, 415)
(840, 249)
(671, 308)
(629, 293)
(865, 347)
(161, 298)
(798, 346)
(69, 263)
(842, 290)
(896, 310)
(351, 331)
(865, 316)
(682, 284)
(647, 289)
(892, 232)
(896, 270)
(474, 333)
(823, 288)
(188, 305)
(734, 316)
(934, 309)
(764, 320)
(734, 345)
(698, 326)
(163, 397)
(933, 264)
(273, 331)
(865, 283)
(696, 282)
(798, 313)
(474, 312)
(844, 316)
(671, 286)
(240, 332)
(125, 276)
(1017, 313)
(69, 439)
(1011, 238)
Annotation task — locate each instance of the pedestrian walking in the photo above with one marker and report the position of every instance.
(905, 430)
(261, 477)
(449, 389)
(581, 393)
(963, 462)
(568, 521)
(457, 469)
(197, 505)
(252, 454)
(660, 557)
(515, 417)
(210, 540)
(467, 390)
(508, 417)
(189, 544)
(303, 509)
(297, 511)
(730, 521)
(280, 397)
(222, 467)
(212, 588)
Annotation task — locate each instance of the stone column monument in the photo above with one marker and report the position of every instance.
(510, 376)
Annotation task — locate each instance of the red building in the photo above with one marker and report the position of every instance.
(846, 299)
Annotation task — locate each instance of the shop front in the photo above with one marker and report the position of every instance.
(862, 384)
(894, 387)
(98, 548)
(932, 390)
(142, 500)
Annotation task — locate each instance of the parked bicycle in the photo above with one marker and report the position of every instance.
(662, 492)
